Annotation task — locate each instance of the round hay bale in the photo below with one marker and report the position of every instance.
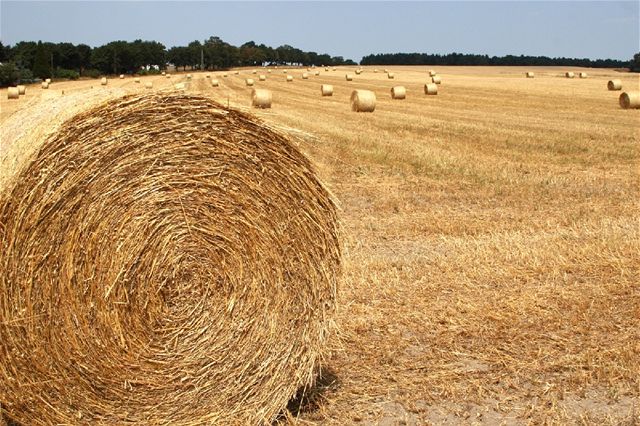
(289, 78)
(44, 85)
(614, 84)
(326, 69)
(207, 76)
(148, 85)
(583, 75)
(358, 72)
(121, 76)
(262, 77)
(136, 80)
(430, 89)
(188, 76)
(316, 72)
(180, 86)
(22, 90)
(285, 71)
(168, 75)
(261, 98)
(224, 74)
(375, 70)
(386, 71)
(164, 73)
(348, 77)
(363, 101)
(215, 82)
(630, 100)
(390, 75)
(529, 74)
(254, 72)
(142, 279)
(333, 69)
(48, 80)
(432, 73)
(249, 82)
(13, 93)
(103, 81)
(236, 72)
(436, 79)
(326, 89)
(305, 76)
(268, 71)
(398, 92)
(569, 74)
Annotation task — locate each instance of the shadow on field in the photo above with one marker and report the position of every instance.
(309, 399)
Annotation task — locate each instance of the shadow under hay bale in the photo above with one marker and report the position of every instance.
(309, 399)
(163, 260)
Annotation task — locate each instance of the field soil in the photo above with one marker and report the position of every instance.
(491, 237)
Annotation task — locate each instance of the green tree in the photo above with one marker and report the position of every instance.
(41, 67)
(635, 63)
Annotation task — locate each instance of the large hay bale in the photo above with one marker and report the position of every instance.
(224, 74)
(430, 89)
(121, 76)
(249, 82)
(630, 100)
(261, 98)
(207, 76)
(436, 79)
(215, 82)
(22, 89)
(44, 85)
(398, 92)
(529, 74)
(13, 93)
(142, 281)
(262, 77)
(348, 77)
(103, 81)
(569, 74)
(614, 84)
(289, 78)
(254, 72)
(363, 101)
(326, 89)
(375, 70)
(164, 73)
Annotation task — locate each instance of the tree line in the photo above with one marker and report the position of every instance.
(508, 60)
(28, 59)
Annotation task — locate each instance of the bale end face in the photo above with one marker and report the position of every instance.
(22, 90)
(261, 98)
(530, 74)
(305, 76)
(363, 101)
(103, 81)
(262, 77)
(430, 89)
(569, 74)
(13, 93)
(630, 100)
(614, 85)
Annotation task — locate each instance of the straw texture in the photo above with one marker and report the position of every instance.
(363, 101)
(614, 84)
(430, 89)
(261, 98)
(398, 92)
(215, 82)
(289, 78)
(163, 260)
(326, 89)
(630, 100)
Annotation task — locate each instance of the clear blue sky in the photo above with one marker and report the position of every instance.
(605, 29)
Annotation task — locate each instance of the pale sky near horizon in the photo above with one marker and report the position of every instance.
(581, 29)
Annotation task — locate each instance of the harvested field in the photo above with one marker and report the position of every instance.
(491, 260)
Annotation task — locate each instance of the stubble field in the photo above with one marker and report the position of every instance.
(491, 269)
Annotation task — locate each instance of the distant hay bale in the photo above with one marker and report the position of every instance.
(398, 92)
(529, 74)
(164, 73)
(430, 89)
(254, 72)
(583, 75)
(289, 78)
(630, 100)
(13, 93)
(326, 89)
(163, 260)
(188, 76)
(363, 101)
(436, 79)
(261, 98)
(348, 77)
(180, 86)
(285, 71)
(326, 69)
(136, 80)
(215, 82)
(207, 76)
(432, 73)
(333, 69)
(121, 76)
(386, 71)
(391, 75)
(262, 77)
(316, 72)
(358, 72)
(168, 75)
(148, 85)
(375, 70)
(48, 80)
(44, 85)
(305, 76)
(103, 81)
(236, 72)
(268, 71)
(569, 74)
(22, 90)
(224, 74)
(614, 84)
(249, 82)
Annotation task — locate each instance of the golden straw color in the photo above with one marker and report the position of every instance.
(348, 77)
(188, 76)
(48, 80)
(262, 77)
(261, 98)
(136, 80)
(630, 100)
(249, 82)
(430, 89)
(432, 73)
(363, 101)
(121, 76)
(13, 93)
(530, 74)
(22, 90)
(215, 82)
(305, 76)
(583, 75)
(289, 78)
(614, 84)
(103, 81)
(326, 89)
(436, 79)
(398, 92)
(390, 75)
(164, 260)
(569, 74)
(148, 85)
(44, 85)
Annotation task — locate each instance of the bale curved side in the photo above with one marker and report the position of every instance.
(430, 89)
(398, 92)
(363, 101)
(615, 84)
(261, 98)
(163, 260)
(630, 100)
(326, 89)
